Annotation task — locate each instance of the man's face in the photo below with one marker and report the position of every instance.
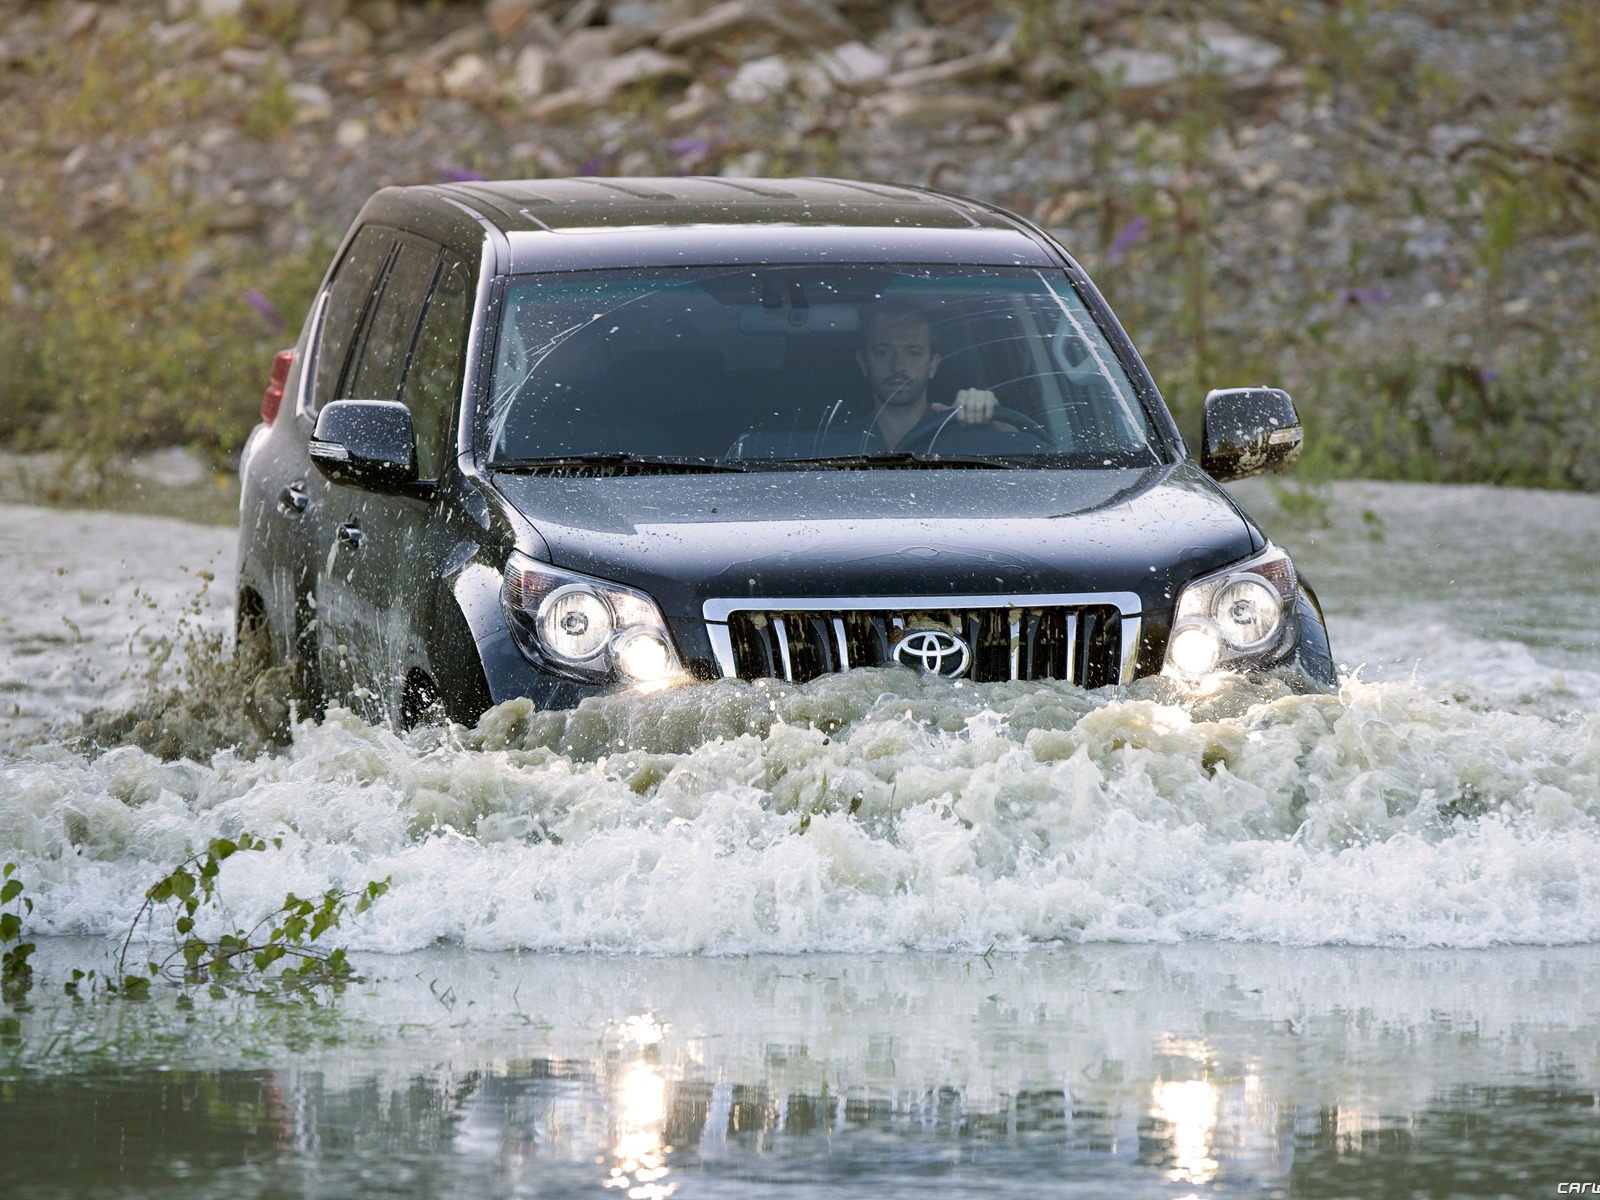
(898, 360)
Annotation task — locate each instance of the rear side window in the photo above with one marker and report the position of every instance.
(348, 300)
(386, 340)
(433, 382)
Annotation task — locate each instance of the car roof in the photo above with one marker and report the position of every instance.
(568, 224)
(599, 203)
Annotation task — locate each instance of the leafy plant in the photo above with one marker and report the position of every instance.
(16, 973)
(243, 959)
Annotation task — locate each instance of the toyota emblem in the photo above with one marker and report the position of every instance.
(934, 652)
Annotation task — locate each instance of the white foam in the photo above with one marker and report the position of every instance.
(1455, 805)
(1008, 814)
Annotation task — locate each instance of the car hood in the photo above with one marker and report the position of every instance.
(842, 533)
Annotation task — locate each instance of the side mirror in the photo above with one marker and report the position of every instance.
(1247, 431)
(366, 444)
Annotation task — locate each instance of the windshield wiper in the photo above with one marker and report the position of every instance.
(893, 458)
(617, 462)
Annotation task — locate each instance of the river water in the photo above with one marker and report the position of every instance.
(869, 936)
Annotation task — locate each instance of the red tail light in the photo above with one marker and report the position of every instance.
(272, 398)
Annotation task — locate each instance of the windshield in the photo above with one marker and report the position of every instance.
(742, 367)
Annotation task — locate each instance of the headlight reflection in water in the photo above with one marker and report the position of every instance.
(639, 1168)
(1189, 1109)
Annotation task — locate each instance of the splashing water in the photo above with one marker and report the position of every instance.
(870, 811)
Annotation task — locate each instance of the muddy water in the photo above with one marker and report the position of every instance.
(868, 936)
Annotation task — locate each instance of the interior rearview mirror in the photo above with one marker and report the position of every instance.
(367, 444)
(1247, 431)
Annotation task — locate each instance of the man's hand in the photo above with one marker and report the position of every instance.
(973, 406)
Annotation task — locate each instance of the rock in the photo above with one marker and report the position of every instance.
(351, 132)
(245, 61)
(809, 22)
(211, 9)
(447, 49)
(699, 101)
(319, 18)
(504, 16)
(352, 37)
(639, 66)
(950, 113)
(78, 18)
(1243, 60)
(1236, 55)
(312, 103)
(914, 46)
(606, 80)
(532, 73)
(946, 12)
(471, 78)
(972, 66)
(750, 165)
(380, 16)
(760, 79)
(1136, 70)
(1047, 70)
(583, 48)
(1029, 121)
(238, 214)
(855, 65)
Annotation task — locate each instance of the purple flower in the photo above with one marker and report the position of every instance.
(462, 175)
(258, 301)
(1488, 375)
(690, 145)
(1130, 234)
(594, 164)
(1365, 295)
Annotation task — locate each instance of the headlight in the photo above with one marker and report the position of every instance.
(1234, 619)
(583, 627)
(574, 623)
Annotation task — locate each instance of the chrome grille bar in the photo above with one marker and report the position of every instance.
(780, 626)
(1090, 639)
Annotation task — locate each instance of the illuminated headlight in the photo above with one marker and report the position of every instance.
(1234, 619)
(583, 627)
(1195, 649)
(644, 656)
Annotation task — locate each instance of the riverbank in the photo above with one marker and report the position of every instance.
(1383, 208)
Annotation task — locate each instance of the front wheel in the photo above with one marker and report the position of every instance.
(273, 689)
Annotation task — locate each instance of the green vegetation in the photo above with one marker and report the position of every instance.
(282, 957)
(1498, 384)
(16, 975)
(243, 959)
(144, 312)
(134, 315)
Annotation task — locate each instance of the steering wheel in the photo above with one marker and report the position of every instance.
(931, 426)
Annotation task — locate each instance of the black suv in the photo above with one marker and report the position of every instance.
(554, 438)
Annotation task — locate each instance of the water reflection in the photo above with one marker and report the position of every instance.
(641, 1110)
(1124, 1071)
(1189, 1111)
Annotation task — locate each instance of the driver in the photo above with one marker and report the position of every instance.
(898, 359)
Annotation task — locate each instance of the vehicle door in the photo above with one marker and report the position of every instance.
(382, 555)
(298, 512)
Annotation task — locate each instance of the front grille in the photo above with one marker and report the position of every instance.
(1080, 643)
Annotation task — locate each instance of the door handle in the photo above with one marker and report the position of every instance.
(350, 535)
(293, 500)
